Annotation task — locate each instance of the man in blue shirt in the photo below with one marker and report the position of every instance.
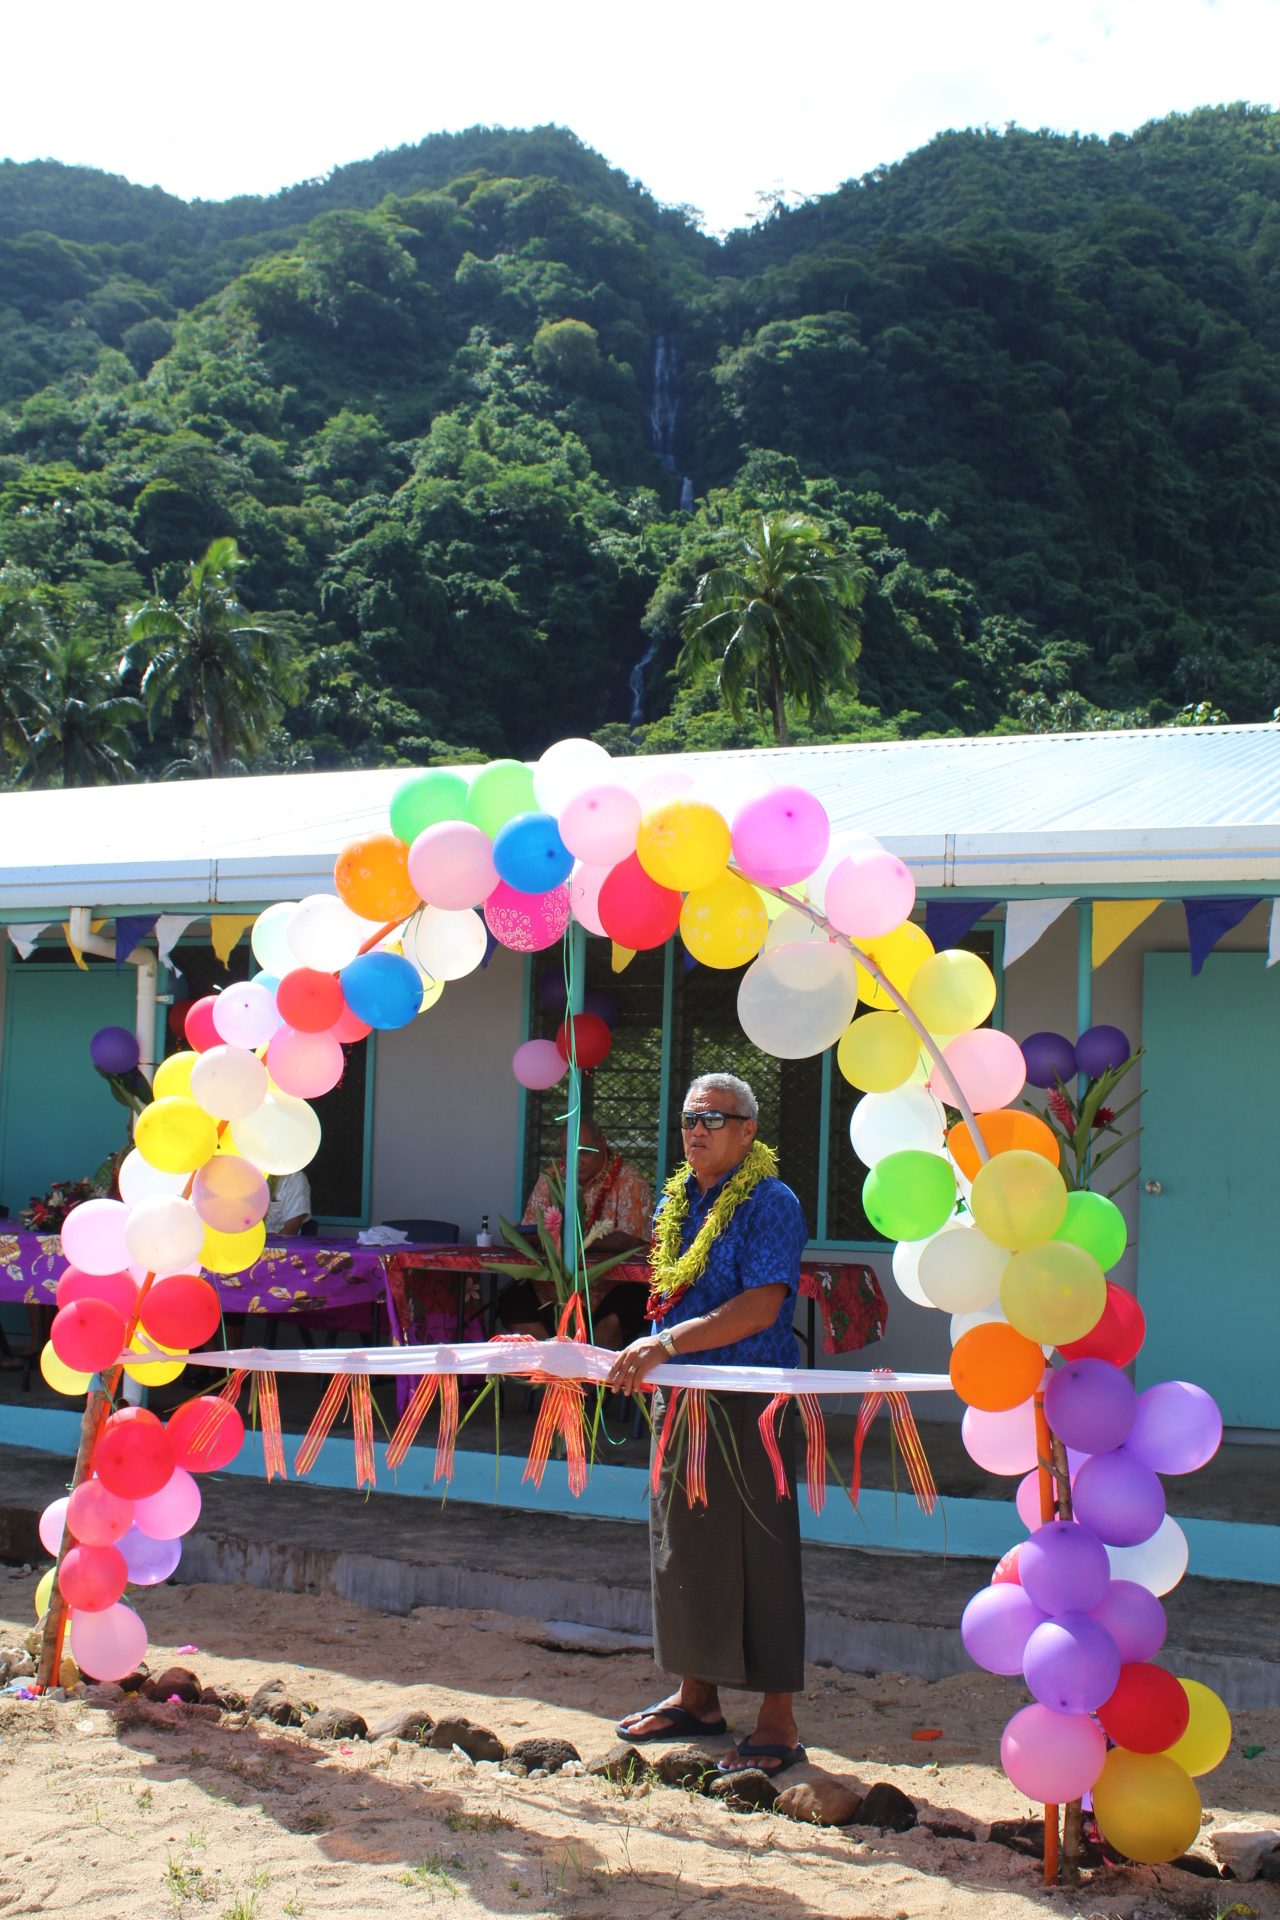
(727, 1595)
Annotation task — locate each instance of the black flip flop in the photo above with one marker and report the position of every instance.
(752, 1751)
(682, 1724)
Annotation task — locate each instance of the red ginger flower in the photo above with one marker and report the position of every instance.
(1060, 1108)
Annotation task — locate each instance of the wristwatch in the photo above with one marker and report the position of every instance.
(667, 1341)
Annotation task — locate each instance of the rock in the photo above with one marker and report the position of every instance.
(135, 1681)
(69, 1672)
(226, 1699)
(414, 1724)
(1020, 1836)
(684, 1767)
(22, 1667)
(271, 1702)
(750, 1789)
(543, 1751)
(888, 1808)
(179, 1680)
(1199, 1864)
(822, 1801)
(622, 1764)
(478, 1743)
(1243, 1845)
(337, 1723)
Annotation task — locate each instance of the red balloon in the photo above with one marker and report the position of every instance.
(349, 1027)
(97, 1518)
(87, 1335)
(198, 1025)
(1148, 1711)
(119, 1290)
(92, 1578)
(178, 1017)
(634, 910)
(134, 1455)
(592, 1037)
(1117, 1336)
(309, 1000)
(1006, 1569)
(206, 1434)
(181, 1311)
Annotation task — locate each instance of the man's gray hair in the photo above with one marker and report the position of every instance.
(744, 1101)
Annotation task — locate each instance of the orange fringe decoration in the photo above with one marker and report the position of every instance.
(815, 1465)
(335, 1398)
(272, 1437)
(768, 1425)
(659, 1452)
(362, 1431)
(560, 1413)
(904, 1427)
(412, 1418)
(447, 1437)
(695, 1459)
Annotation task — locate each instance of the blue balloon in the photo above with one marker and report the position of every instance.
(530, 855)
(382, 989)
(1049, 1056)
(114, 1050)
(149, 1561)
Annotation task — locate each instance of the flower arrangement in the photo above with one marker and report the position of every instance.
(552, 1269)
(1079, 1120)
(47, 1213)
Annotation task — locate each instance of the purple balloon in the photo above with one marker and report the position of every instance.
(1177, 1427)
(603, 1005)
(1049, 1056)
(1064, 1567)
(552, 993)
(996, 1626)
(149, 1561)
(1100, 1048)
(1071, 1664)
(1134, 1618)
(114, 1050)
(1090, 1404)
(1118, 1498)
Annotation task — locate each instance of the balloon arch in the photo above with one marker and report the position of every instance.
(749, 874)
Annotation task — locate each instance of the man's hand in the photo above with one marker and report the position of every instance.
(634, 1363)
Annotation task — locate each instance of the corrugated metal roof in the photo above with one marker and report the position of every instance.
(1055, 810)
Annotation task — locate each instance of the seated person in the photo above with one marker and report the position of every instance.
(290, 1207)
(617, 1201)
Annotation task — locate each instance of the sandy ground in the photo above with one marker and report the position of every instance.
(181, 1813)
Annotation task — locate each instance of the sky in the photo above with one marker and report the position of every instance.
(710, 103)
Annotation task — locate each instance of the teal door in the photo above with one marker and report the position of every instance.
(1209, 1239)
(57, 1116)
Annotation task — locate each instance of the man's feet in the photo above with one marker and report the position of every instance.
(761, 1756)
(691, 1712)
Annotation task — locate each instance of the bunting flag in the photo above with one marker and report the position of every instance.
(947, 921)
(1024, 923)
(1113, 922)
(170, 928)
(131, 930)
(225, 930)
(77, 954)
(1273, 937)
(24, 937)
(1209, 919)
(622, 958)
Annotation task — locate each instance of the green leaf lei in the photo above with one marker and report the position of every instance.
(675, 1272)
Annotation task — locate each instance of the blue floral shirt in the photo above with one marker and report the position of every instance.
(760, 1247)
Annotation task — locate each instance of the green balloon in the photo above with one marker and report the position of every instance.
(498, 793)
(1096, 1224)
(908, 1196)
(426, 798)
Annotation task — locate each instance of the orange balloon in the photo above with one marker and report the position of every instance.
(995, 1368)
(372, 877)
(1001, 1130)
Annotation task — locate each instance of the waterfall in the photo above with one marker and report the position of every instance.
(664, 407)
(635, 681)
(686, 495)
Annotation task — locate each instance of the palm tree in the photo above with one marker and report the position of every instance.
(84, 738)
(782, 623)
(24, 630)
(203, 651)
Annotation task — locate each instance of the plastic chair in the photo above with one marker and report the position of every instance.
(443, 1232)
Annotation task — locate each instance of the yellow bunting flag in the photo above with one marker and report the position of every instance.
(225, 930)
(622, 957)
(77, 953)
(1114, 921)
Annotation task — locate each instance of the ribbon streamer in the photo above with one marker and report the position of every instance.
(904, 1427)
(815, 1465)
(272, 1434)
(768, 1425)
(335, 1398)
(411, 1419)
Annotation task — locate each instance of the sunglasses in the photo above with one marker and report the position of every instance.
(711, 1120)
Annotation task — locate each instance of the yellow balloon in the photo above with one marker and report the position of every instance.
(683, 844)
(44, 1593)
(877, 1052)
(1018, 1199)
(232, 1252)
(1206, 1742)
(1054, 1292)
(1146, 1806)
(900, 955)
(175, 1134)
(62, 1378)
(157, 1373)
(431, 991)
(725, 924)
(954, 991)
(173, 1076)
(925, 1064)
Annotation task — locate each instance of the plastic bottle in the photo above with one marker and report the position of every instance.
(484, 1238)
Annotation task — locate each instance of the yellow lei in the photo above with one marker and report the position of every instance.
(675, 1272)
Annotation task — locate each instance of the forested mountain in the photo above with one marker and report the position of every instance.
(477, 414)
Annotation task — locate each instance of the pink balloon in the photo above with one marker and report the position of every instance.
(451, 865)
(539, 1064)
(781, 836)
(349, 1028)
(119, 1290)
(1002, 1443)
(52, 1522)
(230, 1194)
(584, 885)
(1052, 1757)
(868, 893)
(600, 825)
(93, 1236)
(108, 1645)
(989, 1066)
(171, 1512)
(245, 1014)
(305, 1064)
(97, 1517)
(526, 922)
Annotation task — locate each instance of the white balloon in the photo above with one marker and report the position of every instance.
(448, 945)
(228, 1082)
(961, 1269)
(568, 768)
(270, 939)
(283, 1136)
(789, 925)
(653, 786)
(798, 1000)
(164, 1233)
(139, 1180)
(323, 933)
(584, 885)
(245, 1014)
(1158, 1563)
(906, 1264)
(907, 1120)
